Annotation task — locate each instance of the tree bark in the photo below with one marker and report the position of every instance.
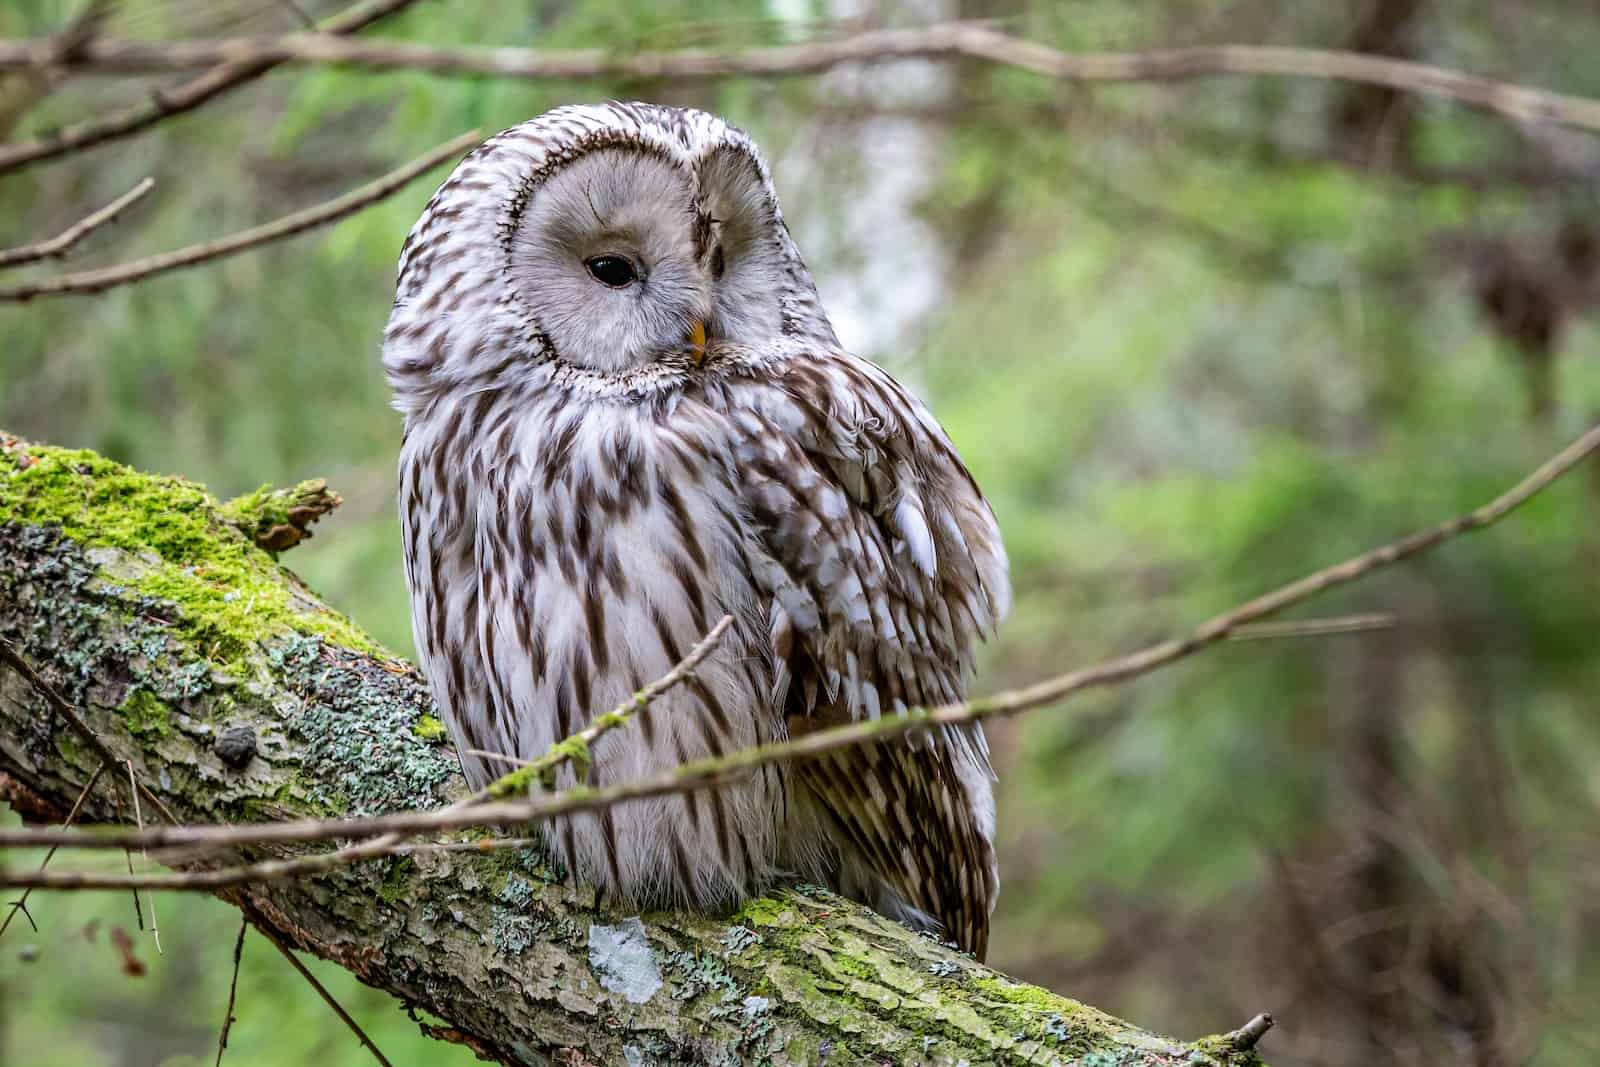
(149, 607)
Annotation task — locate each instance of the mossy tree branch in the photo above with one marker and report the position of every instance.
(146, 605)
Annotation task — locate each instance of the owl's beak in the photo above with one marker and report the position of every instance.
(697, 341)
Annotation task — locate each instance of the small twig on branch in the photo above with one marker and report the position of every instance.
(1245, 1038)
(271, 934)
(95, 281)
(21, 903)
(715, 771)
(10, 658)
(962, 39)
(165, 103)
(63, 241)
(233, 989)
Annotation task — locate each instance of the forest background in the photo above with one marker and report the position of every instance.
(1193, 340)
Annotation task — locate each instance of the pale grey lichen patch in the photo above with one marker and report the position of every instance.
(356, 720)
(739, 938)
(623, 961)
(517, 891)
(511, 934)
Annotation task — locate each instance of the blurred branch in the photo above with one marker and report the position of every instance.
(163, 103)
(706, 773)
(63, 241)
(1344, 624)
(964, 39)
(94, 281)
(24, 89)
(1236, 144)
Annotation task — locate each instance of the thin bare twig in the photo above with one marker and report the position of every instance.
(950, 40)
(21, 903)
(165, 103)
(10, 657)
(127, 853)
(271, 934)
(708, 772)
(63, 241)
(514, 761)
(233, 989)
(133, 884)
(138, 816)
(95, 281)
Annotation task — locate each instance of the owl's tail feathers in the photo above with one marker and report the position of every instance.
(908, 837)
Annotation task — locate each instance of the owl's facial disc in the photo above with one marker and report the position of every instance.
(605, 255)
(744, 259)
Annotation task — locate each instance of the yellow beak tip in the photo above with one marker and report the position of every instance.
(697, 341)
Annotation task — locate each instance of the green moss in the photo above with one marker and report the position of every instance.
(1000, 989)
(146, 714)
(1220, 1049)
(228, 592)
(71, 751)
(279, 519)
(516, 784)
(764, 911)
(263, 507)
(612, 719)
(574, 750)
(396, 880)
(1038, 1014)
(429, 729)
(844, 963)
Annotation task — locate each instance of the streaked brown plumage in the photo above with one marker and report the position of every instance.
(585, 491)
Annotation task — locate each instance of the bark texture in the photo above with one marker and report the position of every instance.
(148, 606)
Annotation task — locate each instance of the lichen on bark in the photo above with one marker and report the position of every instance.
(147, 606)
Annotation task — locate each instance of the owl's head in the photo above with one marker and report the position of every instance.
(616, 240)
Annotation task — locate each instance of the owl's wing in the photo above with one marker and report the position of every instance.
(884, 567)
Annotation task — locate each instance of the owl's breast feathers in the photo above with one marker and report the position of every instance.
(565, 548)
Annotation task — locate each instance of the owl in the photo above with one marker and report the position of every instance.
(626, 416)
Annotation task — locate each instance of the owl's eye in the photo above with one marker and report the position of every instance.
(612, 270)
